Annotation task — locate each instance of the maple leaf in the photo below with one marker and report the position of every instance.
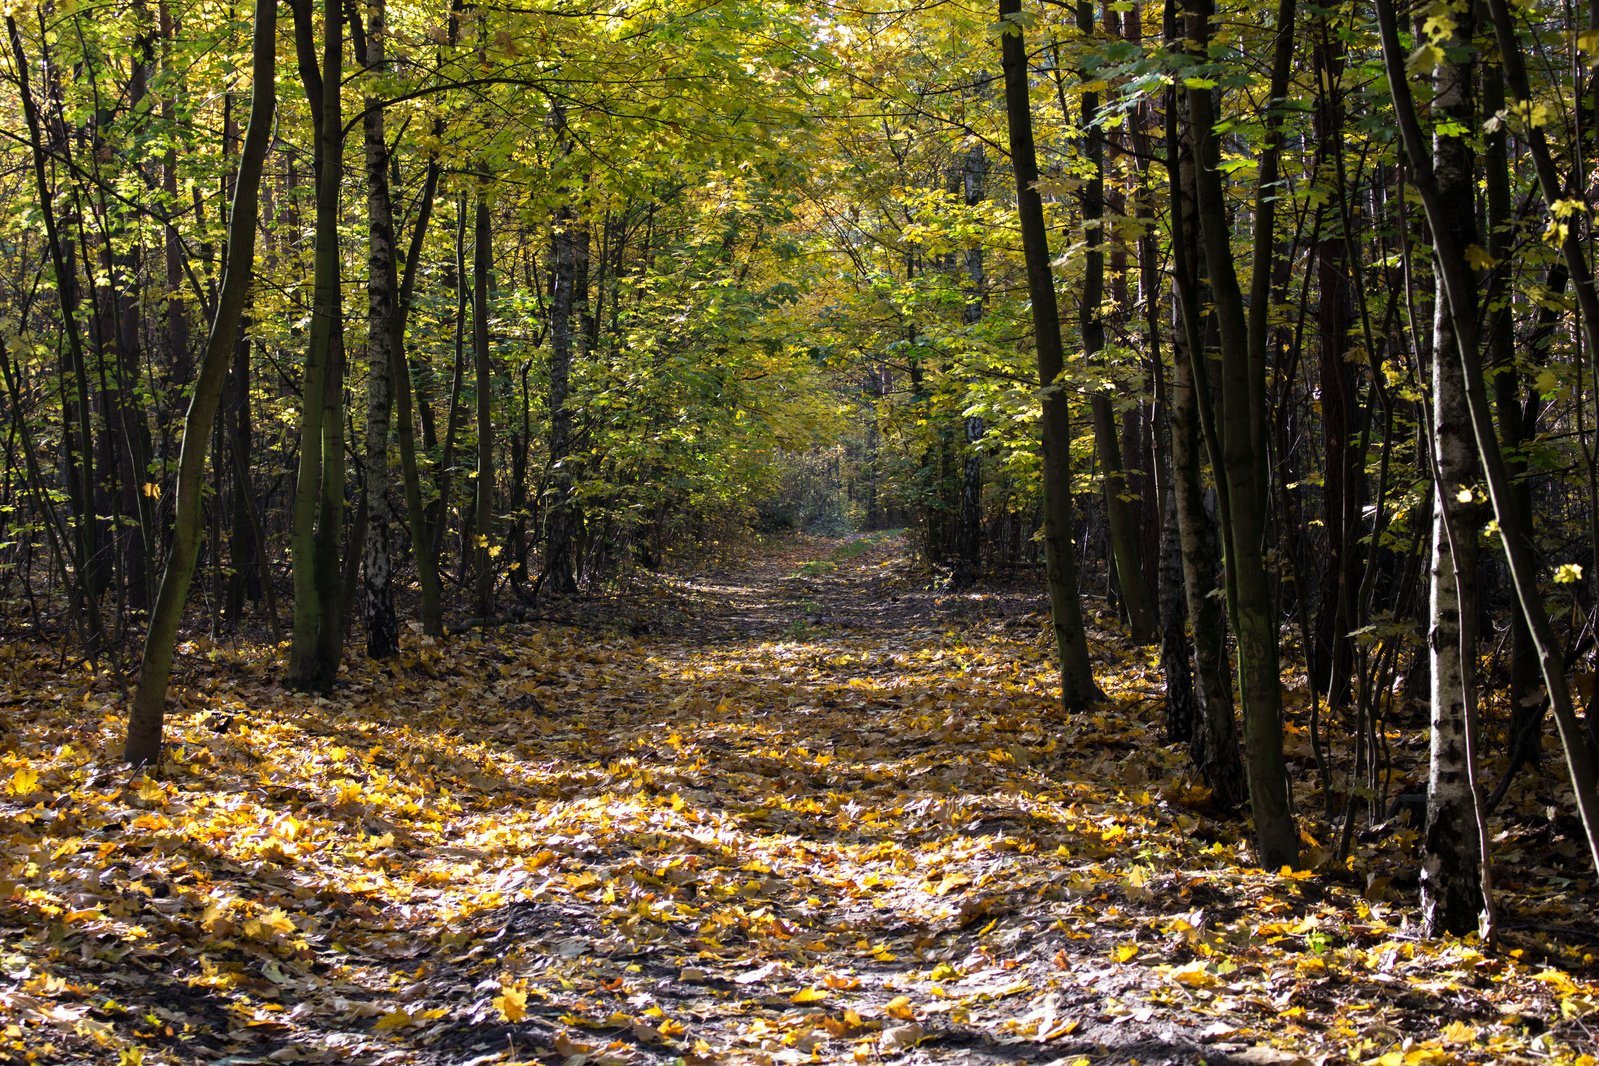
(511, 1003)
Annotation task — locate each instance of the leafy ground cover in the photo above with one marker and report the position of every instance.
(674, 825)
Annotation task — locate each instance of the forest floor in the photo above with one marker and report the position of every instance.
(801, 808)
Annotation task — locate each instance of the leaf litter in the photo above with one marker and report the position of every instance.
(802, 810)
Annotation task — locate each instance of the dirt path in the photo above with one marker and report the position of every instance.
(848, 830)
(801, 810)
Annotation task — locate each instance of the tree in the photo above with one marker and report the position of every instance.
(148, 711)
(1078, 689)
(317, 542)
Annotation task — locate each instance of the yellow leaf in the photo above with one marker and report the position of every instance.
(395, 1019)
(1458, 1033)
(511, 1003)
(278, 920)
(1058, 1031)
(23, 782)
(1194, 975)
(1424, 59)
(809, 995)
(1124, 952)
(900, 1007)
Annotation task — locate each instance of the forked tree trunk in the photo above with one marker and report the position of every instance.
(319, 485)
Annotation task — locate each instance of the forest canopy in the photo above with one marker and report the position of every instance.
(1262, 338)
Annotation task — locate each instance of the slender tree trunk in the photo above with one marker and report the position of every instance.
(145, 719)
(382, 624)
(560, 516)
(1332, 656)
(319, 485)
(1451, 887)
(1078, 689)
(969, 518)
(1215, 737)
(1241, 429)
(77, 427)
(483, 522)
(244, 546)
(1123, 535)
(1454, 268)
(422, 539)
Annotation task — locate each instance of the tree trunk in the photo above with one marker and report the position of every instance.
(145, 720)
(560, 516)
(483, 519)
(422, 540)
(1241, 431)
(382, 624)
(1332, 656)
(969, 516)
(1451, 888)
(319, 485)
(1449, 248)
(1078, 689)
(76, 424)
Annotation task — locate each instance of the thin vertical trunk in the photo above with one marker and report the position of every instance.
(1449, 249)
(244, 547)
(76, 428)
(1451, 888)
(382, 624)
(1078, 689)
(145, 719)
(319, 485)
(1241, 429)
(1215, 735)
(969, 517)
(422, 540)
(483, 520)
(1332, 655)
(560, 516)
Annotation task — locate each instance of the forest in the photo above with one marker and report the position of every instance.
(753, 531)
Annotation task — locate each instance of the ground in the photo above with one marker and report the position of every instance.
(804, 808)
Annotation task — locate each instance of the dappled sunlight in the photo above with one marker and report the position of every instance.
(615, 847)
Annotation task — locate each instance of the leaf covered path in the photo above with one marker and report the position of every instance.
(804, 810)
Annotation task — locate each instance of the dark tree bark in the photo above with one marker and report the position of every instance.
(1242, 417)
(146, 716)
(1078, 689)
(318, 533)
